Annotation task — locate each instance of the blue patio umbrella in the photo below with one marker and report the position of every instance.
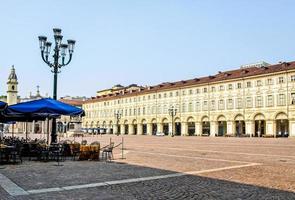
(45, 107)
(3, 105)
(38, 110)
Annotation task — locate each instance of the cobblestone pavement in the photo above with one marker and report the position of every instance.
(167, 168)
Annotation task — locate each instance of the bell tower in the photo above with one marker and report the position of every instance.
(12, 87)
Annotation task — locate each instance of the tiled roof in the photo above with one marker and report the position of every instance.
(221, 76)
(72, 102)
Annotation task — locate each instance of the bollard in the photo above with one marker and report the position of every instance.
(122, 144)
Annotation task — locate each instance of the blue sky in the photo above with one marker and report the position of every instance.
(144, 41)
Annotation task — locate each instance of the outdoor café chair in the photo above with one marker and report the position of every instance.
(55, 152)
(107, 152)
(15, 154)
(84, 142)
(34, 150)
(95, 150)
(75, 150)
(3, 155)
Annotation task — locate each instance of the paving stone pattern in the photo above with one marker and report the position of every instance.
(146, 156)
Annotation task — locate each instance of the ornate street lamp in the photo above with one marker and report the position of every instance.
(118, 116)
(59, 57)
(172, 112)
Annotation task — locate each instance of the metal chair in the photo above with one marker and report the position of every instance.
(107, 152)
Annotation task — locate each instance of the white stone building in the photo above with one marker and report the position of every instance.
(255, 100)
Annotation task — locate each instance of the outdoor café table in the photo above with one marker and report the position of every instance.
(84, 152)
(89, 152)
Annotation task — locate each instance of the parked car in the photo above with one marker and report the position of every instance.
(160, 134)
(84, 130)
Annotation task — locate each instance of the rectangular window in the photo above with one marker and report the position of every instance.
(221, 88)
(229, 104)
(239, 85)
(259, 101)
(183, 92)
(230, 86)
(249, 102)
(212, 89)
(212, 104)
(176, 94)
(190, 92)
(171, 94)
(282, 100)
(197, 91)
(259, 83)
(190, 107)
(221, 104)
(205, 90)
(183, 107)
(154, 110)
(198, 108)
(165, 110)
(269, 81)
(269, 100)
(293, 78)
(239, 103)
(205, 105)
(159, 109)
(293, 98)
(165, 95)
(281, 79)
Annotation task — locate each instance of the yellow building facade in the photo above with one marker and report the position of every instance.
(255, 100)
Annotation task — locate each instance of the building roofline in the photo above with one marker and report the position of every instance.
(220, 76)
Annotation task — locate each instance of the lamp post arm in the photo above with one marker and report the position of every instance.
(64, 64)
(46, 61)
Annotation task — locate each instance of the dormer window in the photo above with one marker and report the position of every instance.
(244, 71)
(264, 67)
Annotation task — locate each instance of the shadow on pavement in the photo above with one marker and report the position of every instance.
(32, 175)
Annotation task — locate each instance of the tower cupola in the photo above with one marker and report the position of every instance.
(12, 87)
